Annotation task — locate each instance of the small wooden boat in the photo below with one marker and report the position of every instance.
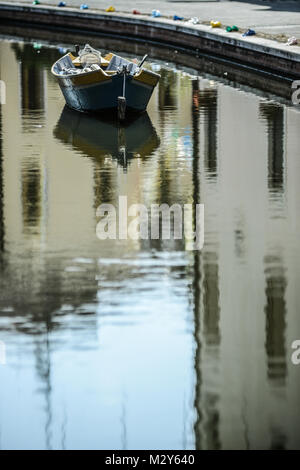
(92, 83)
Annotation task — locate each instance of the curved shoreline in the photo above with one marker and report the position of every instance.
(251, 51)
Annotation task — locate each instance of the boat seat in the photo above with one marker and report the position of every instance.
(118, 62)
(65, 64)
(132, 68)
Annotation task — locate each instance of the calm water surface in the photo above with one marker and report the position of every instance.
(145, 344)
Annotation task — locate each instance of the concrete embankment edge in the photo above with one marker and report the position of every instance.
(253, 52)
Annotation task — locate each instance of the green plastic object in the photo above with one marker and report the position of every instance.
(229, 29)
(36, 2)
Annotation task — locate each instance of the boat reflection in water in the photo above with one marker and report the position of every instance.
(98, 138)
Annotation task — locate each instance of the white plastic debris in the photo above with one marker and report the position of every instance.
(89, 55)
(95, 67)
(194, 20)
(291, 41)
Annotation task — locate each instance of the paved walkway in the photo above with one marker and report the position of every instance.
(274, 18)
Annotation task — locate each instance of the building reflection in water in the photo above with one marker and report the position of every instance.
(42, 284)
(33, 60)
(197, 270)
(275, 321)
(31, 196)
(276, 283)
(273, 114)
(275, 311)
(32, 80)
(208, 104)
(167, 89)
(206, 279)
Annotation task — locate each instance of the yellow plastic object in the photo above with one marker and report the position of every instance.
(110, 9)
(215, 24)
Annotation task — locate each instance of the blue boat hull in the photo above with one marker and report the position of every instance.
(103, 96)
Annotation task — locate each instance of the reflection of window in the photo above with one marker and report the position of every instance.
(273, 115)
(168, 89)
(31, 197)
(32, 76)
(208, 110)
(275, 324)
(32, 87)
